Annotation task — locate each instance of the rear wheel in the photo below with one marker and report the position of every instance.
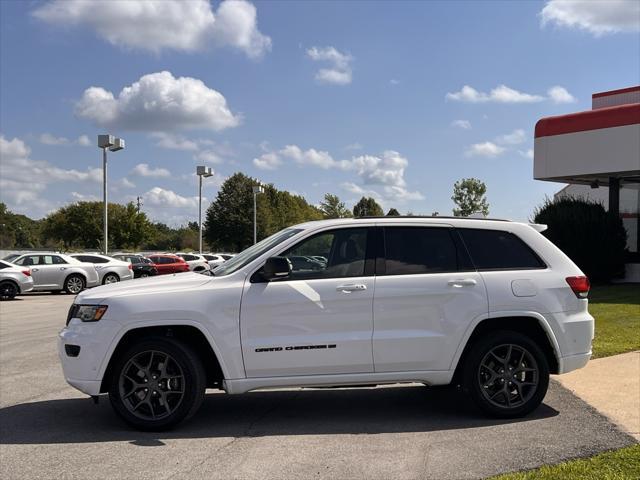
(74, 284)
(157, 383)
(143, 275)
(506, 374)
(110, 278)
(8, 290)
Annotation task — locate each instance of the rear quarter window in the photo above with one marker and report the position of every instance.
(499, 250)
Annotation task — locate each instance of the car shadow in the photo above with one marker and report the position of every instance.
(258, 414)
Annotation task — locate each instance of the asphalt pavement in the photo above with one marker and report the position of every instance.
(50, 430)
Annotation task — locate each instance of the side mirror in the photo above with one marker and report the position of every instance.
(275, 268)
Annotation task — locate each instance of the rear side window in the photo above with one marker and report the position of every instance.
(415, 250)
(498, 250)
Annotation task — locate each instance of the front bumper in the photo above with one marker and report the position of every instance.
(85, 371)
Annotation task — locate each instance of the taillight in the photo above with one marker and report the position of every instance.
(130, 267)
(27, 272)
(580, 285)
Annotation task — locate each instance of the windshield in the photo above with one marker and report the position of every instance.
(253, 252)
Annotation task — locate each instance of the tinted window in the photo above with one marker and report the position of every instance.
(3, 265)
(57, 260)
(413, 250)
(189, 258)
(167, 260)
(343, 249)
(496, 250)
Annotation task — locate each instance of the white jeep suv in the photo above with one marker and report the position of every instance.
(490, 305)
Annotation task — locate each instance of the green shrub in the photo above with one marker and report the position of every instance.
(592, 237)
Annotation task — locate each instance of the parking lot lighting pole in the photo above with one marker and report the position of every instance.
(201, 171)
(256, 190)
(114, 144)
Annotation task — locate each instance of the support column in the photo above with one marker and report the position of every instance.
(614, 195)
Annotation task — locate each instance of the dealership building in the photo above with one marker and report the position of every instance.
(597, 153)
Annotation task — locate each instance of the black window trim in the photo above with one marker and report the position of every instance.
(462, 255)
(544, 264)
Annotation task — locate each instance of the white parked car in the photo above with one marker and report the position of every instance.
(197, 263)
(58, 272)
(110, 270)
(14, 280)
(491, 305)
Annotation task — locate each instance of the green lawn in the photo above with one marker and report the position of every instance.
(623, 464)
(616, 309)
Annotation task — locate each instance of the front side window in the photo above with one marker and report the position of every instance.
(499, 250)
(333, 254)
(250, 254)
(415, 250)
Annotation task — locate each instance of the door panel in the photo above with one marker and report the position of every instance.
(307, 327)
(317, 321)
(419, 320)
(426, 296)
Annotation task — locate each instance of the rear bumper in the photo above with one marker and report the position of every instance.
(573, 362)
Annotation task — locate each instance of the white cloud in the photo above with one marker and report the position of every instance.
(267, 161)
(22, 191)
(596, 17)
(354, 146)
(500, 94)
(560, 94)
(208, 156)
(84, 141)
(504, 94)
(514, 138)
(80, 197)
(526, 153)
(312, 156)
(386, 170)
(340, 72)
(393, 81)
(159, 197)
(163, 25)
(463, 124)
(158, 102)
(126, 183)
(174, 142)
(143, 170)
(50, 139)
(485, 149)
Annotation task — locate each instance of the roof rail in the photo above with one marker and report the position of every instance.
(433, 216)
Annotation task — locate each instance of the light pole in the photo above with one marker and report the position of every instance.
(114, 144)
(201, 171)
(256, 190)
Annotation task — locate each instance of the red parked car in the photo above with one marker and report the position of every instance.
(167, 263)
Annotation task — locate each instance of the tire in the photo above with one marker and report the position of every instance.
(143, 275)
(74, 284)
(8, 290)
(497, 390)
(110, 278)
(161, 396)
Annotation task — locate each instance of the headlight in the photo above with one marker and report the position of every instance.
(88, 313)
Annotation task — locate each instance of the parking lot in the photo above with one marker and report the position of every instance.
(49, 430)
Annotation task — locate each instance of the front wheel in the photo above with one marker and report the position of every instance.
(506, 374)
(8, 291)
(157, 383)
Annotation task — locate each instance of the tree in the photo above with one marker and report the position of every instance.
(332, 207)
(79, 225)
(18, 231)
(367, 207)
(229, 218)
(469, 196)
(593, 238)
(393, 213)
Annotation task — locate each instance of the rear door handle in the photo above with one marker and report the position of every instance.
(356, 287)
(462, 282)
(35, 269)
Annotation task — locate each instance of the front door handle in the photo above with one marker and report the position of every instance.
(354, 287)
(462, 282)
(35, 269)
(63, 268)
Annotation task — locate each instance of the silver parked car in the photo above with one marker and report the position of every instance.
(56, 271)
(197, 263)
(14, 280)
(110, 270)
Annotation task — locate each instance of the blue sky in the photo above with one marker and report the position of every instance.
(349, 98)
